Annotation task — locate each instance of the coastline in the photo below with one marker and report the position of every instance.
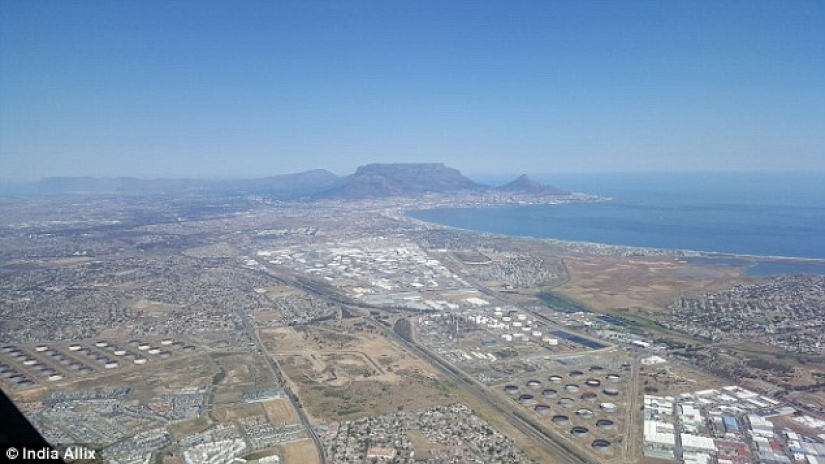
(750, 261)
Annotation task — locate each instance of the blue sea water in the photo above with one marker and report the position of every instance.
(758, 214)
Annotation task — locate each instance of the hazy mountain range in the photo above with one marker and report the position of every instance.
(370, 181)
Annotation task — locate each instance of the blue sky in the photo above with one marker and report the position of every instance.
(227, 89)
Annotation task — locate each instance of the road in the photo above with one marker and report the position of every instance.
(553, 445)
(279, 377)
(633, 408)
(516, 417)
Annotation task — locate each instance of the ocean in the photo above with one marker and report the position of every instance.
(757, 214)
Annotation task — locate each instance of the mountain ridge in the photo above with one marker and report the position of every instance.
(375, 180)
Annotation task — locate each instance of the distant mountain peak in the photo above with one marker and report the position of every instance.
(525, 184)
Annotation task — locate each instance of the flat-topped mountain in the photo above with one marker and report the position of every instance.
(524, 184)
(403, 179)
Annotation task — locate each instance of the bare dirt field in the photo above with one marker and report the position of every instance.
(232, 412)
(300, 452)
(611, 282)
(342, 375)
(668, 379)
(280, 411)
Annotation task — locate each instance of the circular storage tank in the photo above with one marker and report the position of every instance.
(154, 350)
(608, 407)
(585, 413)
(572, 388)
(592, 382)
(589, 396)
(85, 370)
(560, 420)
(526, 399)
(101, 344)
(188, 348)
(611, 391)
(605, 424)
(549, 393)
(554, 379)
(579, 431)
(534, 384)
(510, 389)
(134, 343)
(140, 361)
(602, 446)
(542, 409)
(143, 346)
(30, 362)
(168, 341)
(576, 374)
(41, 348)
(566, 402)
(596, 368)
(74, 347)
(165, 354)
(120, 352)
(613, 377)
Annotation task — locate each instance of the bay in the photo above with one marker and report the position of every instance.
(761, 214)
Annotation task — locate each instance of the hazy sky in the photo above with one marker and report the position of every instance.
(179, 88)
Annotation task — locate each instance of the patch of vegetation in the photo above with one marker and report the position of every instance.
(218, 378)
(349, 410)
(403, 329)
(561, 303)
(765, 365)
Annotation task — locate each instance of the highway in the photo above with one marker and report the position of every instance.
(523, 422)
(276, 371)
(553, 445)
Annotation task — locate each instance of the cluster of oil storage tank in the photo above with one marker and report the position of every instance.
(176, 345)
(102, 359)
(516, 326)
(586, 413)
(49, 373)
(14, 377)
(69, 363)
